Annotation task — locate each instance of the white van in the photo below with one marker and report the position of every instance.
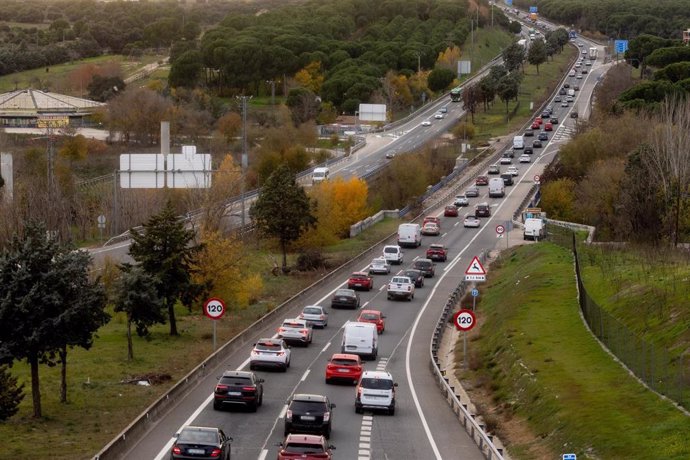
(319, 175)
(518, 142)
(571, 92)
(393, 254)
(360, 339)
(496, 187)
(409, 235)
(534, 229)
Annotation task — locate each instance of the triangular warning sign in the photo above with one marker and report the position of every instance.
(475, 268)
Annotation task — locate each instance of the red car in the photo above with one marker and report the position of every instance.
(536, 125)
(450, 211)
(305, 447)
(360, 280)
(548, 126)
(343, 366)
(437, 252)
(374, 317)
(482, 180)
(538, 120)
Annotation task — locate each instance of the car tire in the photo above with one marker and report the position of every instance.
(328, 381)
(254, 407)
(327, 433)
(358, 410)
(391, 410)
(261, 399)
(216, 406)
(251, 367)
(288, 364)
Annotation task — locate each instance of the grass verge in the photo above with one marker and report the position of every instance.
(100, 406)
(537, 366)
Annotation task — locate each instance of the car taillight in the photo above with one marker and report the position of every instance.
(176, 450)
(303, 331)
(301, 316)
(215, 453)
(220, 388)
(322, 316)
(326, 416)
(248, 389)
(288, 415)
(281, 329)
(280, 353)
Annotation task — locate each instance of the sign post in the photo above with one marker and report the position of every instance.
(101, 225)
(214, 308)
(475, 294)
(464, 321)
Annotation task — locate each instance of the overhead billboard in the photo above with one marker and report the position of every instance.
(142, 170)
(372, 112)
(188, 170)
(154, 170)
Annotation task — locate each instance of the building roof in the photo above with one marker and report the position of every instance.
(31, 102)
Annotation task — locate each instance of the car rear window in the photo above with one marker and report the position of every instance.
(343, 292)
(412, 274)
(303, 448)
(267, 346)
(370, 316)
(197, 437)
(344, 362)
(377, 384)
(390, 250)
(308, 406)
(358, 276)
(312, 311)
(236, 381)
(422, 263)
(292, 325)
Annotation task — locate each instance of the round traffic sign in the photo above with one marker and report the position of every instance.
(536, 178)
(464, 320)
(475, 292)
(500, 229)
(214, 308)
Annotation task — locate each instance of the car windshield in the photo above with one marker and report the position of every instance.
(303, 448)
(312, 311)
(268, 346)
(308, 406)
(197, 437)
(235, 380)
(369, 316)
(377, 384)
(343, 362)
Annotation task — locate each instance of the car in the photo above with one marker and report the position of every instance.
(505, 160)
(375, 391)
(393, 254)
(577, 64)
(562, 92)
(238, 388)
(482, 180)
(557, 99)
(437, 252)
(507, 179)
(546, 114)
(390, 155)
(548, 127)
(443, 109)
(554, 120)
(426, 266)
(580, 45)
(573, 114)
(543, 136)
(570, 99)
(415, 276)
(309, 413)
(579, 76)
(528, 133)
(472, 191)
(360, 280)
(461, 201)
(296, 330)
(535, 125)
(379, 266)
(513, 171)
(374, 317)
(539, 120)
(431, 229)
(270, 352)
(450, 211)
(584, 71)
(509, 153)
(482, 210)
(564, 104)
(494, 169)
(345, 298)
(525, 159)
(438, 115)
(566, 85)
(315, 315)
(576, 88)
(588, 64)
(344, 367)
(201, 442)
(470, 221)
(426, 123)
(528, 151)
(433, 220)
(305, 447)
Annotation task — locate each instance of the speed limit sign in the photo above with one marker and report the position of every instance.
(214, 308)
(464, 320)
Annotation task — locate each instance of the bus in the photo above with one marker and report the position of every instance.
(572, 34)
(456, 94)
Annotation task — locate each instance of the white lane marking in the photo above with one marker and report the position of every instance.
(306, 373)
(283, 411)
(361, 307)
(168, 445)
(323, 350)
(263, 455)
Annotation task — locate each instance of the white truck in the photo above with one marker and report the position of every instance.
(400, 287)
(534, 229)
(518, 142)
(593, 53)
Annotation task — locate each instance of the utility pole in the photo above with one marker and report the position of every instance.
(245, 155)
(273, 91)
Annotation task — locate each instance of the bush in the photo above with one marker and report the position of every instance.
(10, 394)
(311, 259)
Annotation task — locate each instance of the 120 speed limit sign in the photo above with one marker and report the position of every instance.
(214, 308)
(464, 320)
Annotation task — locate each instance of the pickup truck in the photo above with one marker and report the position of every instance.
(400, 286)
(437, 252)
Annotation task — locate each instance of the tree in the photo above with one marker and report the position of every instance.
(448, 58)
(440, 78)
(513, 56)
(186, 70)
(138, 299)
(44, 295)
(11, 394)
(167, 250)
(558, 198)
(283, 209)
(661, 57)
(536, 54)
(471, 97)
(303, 104)
(642, 46)
(508, 88)
(311, 77)
(104, 88)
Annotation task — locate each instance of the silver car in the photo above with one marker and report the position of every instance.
(471, 221)
(315, 315)
(379, 265)
(461, 200)
(472, 191)
(296, 330)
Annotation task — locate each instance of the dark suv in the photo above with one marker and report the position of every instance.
(238, 388)
(426, 266)
(308, 413)
(507, 179)
(482, 210)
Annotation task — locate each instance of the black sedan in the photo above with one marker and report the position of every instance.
(536, 144)
(543, 136)
(416, 276)
(201, 443)
(345, 298)
(238, 388)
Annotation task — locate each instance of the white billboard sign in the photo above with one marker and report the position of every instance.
(372, 112)
(187, 170)
(142, 170)
(464, 67)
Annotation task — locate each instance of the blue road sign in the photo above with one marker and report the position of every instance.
(621, 46)
(475, 292)
(509, 2)
(532, 9)
(569, 457)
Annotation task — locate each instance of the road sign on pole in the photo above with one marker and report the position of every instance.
(475, 293)
(537, 179)
(464, 321)
(569, 457)
(475, 271)
(214, 308)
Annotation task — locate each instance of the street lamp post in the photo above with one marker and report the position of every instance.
(419, 61)
(273, 91)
